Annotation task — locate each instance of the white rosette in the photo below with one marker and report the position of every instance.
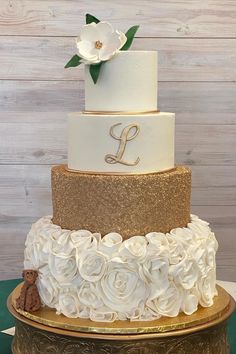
(185, 273)
(190, 301)
(84, 240)
(121, 289)
(60, 243)
(206, 288)
(158, 245)
(199, 227)
(48, 290)
(154, 271)
(103, 315)
(204, 253)
(64, 269)
(177, 252)
(37, 245)
(168, 303)
(110, 243)
(88, 296)
(183, 236)
(68, 304)
(133, 250)
(92, 265)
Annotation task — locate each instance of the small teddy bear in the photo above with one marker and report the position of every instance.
(29, 299)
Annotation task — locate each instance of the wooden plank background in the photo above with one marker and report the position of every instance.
(196, 42)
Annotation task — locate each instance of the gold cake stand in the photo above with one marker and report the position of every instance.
(44, 332)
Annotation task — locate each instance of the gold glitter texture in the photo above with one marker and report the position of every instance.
(127, 204)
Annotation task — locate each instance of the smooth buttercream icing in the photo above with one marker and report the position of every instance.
(127, 82)
(141, 143)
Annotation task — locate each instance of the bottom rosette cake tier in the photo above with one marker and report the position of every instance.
(82, 274)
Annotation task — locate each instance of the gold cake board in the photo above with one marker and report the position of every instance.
(43, 331)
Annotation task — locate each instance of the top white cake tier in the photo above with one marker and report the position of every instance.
(127, 82)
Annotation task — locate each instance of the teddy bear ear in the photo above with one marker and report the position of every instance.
(23, 273)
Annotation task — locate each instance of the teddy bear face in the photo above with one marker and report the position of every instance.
(30, 276)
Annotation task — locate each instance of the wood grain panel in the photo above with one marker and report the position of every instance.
(40, 58)
(11, 258)
(41, 96)
(42, 101)
(222, 221)
(199, 102)
(206, 144)
(172, 18)
(225, 266)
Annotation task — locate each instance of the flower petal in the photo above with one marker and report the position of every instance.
(89, 32)
(110, 47)
(87, 50)
(90, 61)
(123, 38)
(115, 41)
(104, 30)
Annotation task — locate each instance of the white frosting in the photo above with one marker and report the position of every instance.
(127, 82)
(106, 279)
(89, 142)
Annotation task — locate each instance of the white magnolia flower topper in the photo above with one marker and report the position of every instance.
(99, 42)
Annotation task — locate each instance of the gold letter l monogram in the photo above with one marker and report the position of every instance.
(123, 138)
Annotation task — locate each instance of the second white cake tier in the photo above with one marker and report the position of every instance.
(140, 143)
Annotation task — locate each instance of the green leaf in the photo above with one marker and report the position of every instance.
(74, 61)
(130, 36)
(91, 18)
(94, 70)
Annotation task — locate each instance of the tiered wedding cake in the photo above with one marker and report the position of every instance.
(121, 243)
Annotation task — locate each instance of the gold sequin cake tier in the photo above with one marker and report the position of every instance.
(127, 204)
